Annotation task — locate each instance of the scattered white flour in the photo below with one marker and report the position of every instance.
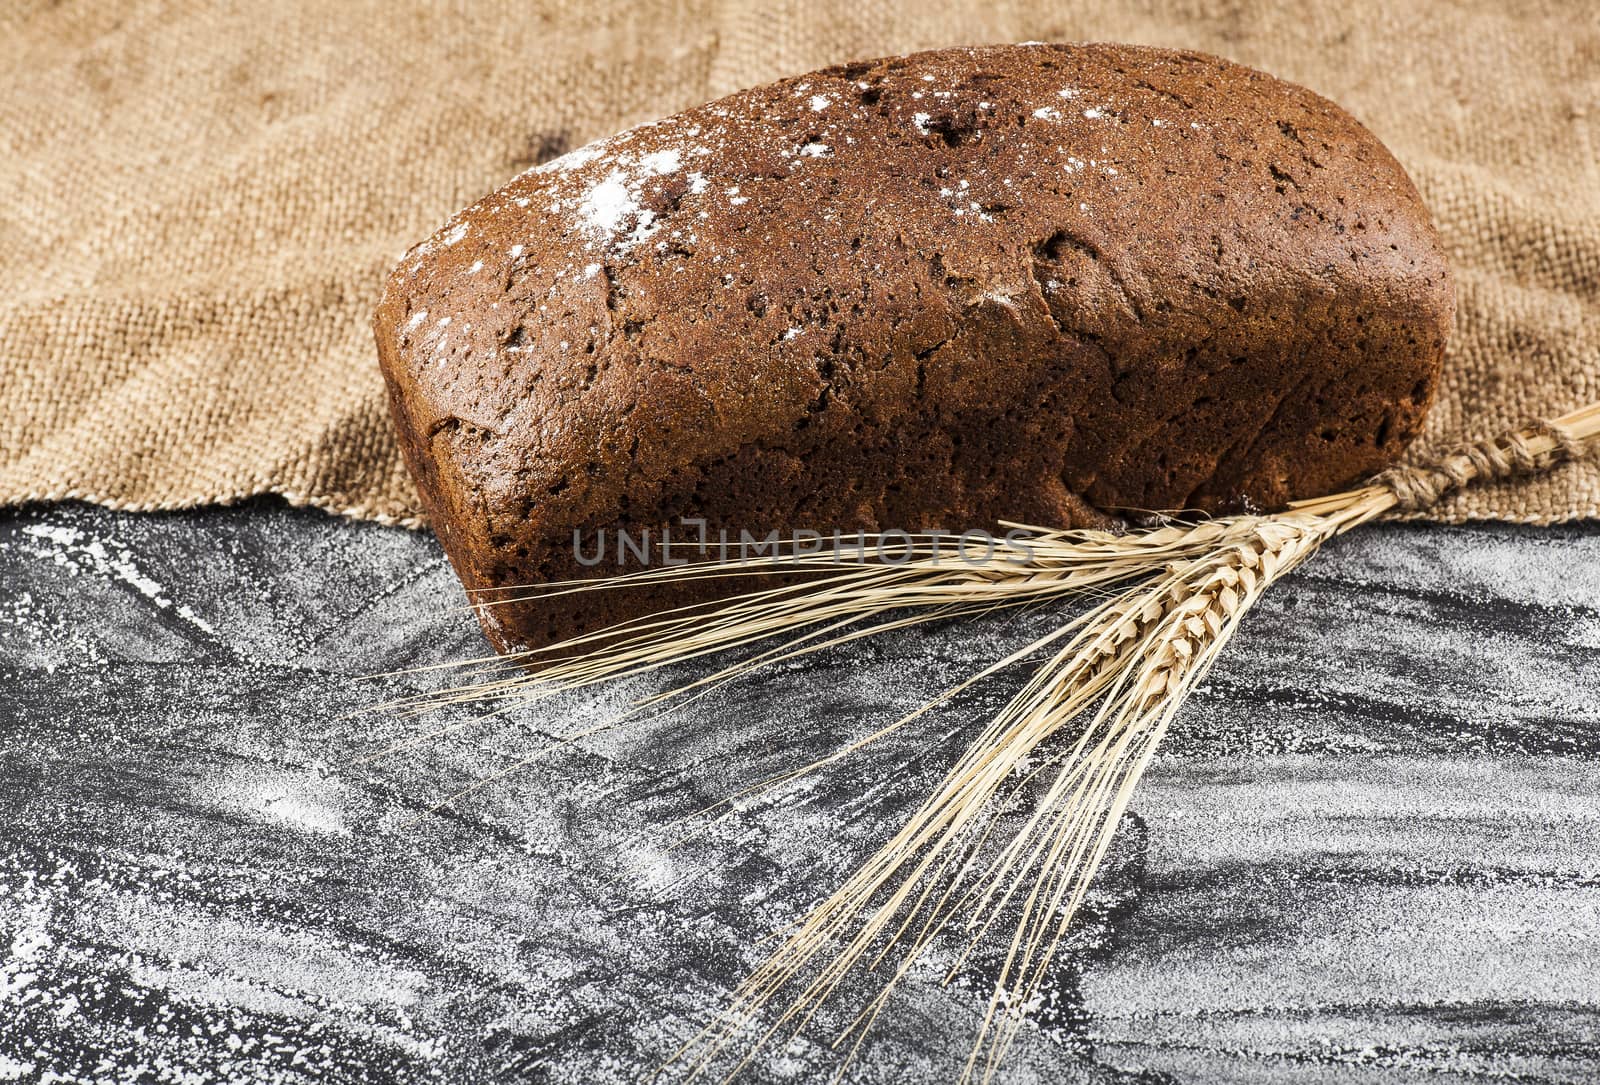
(819, 103)
(299, 800)
(613, 211)
(609, 204)
(19, 968)
(661, 162)
(651, 865)
(1045, 113)
(921, 121)
(110, 559)
(572, 159)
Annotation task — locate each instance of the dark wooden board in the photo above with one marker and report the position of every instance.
(1367, 853)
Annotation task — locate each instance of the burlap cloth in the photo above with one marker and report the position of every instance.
(200, 200)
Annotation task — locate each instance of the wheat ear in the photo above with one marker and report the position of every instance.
(1127, 670)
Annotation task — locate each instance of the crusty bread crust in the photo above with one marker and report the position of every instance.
(1049, 283)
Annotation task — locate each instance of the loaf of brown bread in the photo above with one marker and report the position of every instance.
(1048, 283)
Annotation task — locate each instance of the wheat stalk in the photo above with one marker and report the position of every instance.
(1167, 602)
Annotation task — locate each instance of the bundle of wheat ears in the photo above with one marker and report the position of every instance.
(1162, 603)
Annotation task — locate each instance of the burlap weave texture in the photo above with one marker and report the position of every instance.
(201, 199)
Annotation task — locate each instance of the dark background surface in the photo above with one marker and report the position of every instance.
(1368, 851)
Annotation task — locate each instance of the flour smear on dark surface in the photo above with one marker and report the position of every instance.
(1367, 851)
